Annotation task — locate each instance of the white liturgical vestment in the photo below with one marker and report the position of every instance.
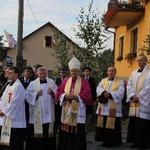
(15, 109)
(47, 102)
(143, 95)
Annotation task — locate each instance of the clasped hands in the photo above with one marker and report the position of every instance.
(71, 96)
(135, 99)
(106, 94)
(49, 91)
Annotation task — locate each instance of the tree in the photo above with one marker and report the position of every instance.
(2, 50)
(61, 49)
(1, 44)
(104, 61)
(146, 46)
(92, 32)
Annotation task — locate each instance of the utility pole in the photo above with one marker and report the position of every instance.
(19, 57)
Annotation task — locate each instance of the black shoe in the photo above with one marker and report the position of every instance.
(133, 146)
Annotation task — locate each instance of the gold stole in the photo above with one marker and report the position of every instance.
(110, 123)
(38, 130)
(133, 109)
(71, 118)
(6, 129)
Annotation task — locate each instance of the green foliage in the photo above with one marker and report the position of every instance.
(94, 35)
(130, 56)
(2, 50)
(61, 49)
(146, 47)
(135, 6)
(93, 53)
(119, 58)
(104, 61)
(1, 44)
(90, 31)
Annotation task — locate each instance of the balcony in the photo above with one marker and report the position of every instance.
(139, 0)
(122, 14)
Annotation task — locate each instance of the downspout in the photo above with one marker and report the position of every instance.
(114, 42)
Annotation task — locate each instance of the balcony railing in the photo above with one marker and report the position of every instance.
(139, 0)
(122, 13)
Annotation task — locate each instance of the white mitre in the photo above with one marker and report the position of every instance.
(74, 63)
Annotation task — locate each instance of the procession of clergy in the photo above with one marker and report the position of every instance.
(34, 110)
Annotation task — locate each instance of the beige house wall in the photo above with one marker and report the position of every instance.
(34, 51)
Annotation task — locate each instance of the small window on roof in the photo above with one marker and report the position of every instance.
(48, 41)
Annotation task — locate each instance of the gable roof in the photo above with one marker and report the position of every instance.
(50, 24)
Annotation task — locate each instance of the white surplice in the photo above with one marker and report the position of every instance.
(47, 102)
(117, 98)
(16, 108)
(143, 95)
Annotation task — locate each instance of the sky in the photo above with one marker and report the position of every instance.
(61, 13)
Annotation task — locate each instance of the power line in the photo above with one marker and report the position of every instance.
(35, 17)
(36, 20)
(14, 21)
(33, 13)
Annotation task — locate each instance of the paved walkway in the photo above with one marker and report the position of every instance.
(93, 145)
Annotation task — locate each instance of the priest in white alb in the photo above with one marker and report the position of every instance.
(40, 94)
(138, 95)
(12, 113)
(110, 92)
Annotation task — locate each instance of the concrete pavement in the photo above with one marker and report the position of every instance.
(93, 145)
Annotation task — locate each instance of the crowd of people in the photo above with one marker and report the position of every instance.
(36, 110)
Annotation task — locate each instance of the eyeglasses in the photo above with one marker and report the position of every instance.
(140, 60)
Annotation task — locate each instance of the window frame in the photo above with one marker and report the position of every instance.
(134, 40)
(48, 41)
(121, 46)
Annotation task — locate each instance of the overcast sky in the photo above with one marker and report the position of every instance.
(61, 13)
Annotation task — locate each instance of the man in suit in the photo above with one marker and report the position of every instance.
(27, 76)
(3, 79)
(63, 75)
(91, 80)
(5, 83)
(25, 80)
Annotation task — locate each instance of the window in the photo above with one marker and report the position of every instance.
(48, 41)
(121, 45)
(134, 39)
(50, 74)
(149, 26)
